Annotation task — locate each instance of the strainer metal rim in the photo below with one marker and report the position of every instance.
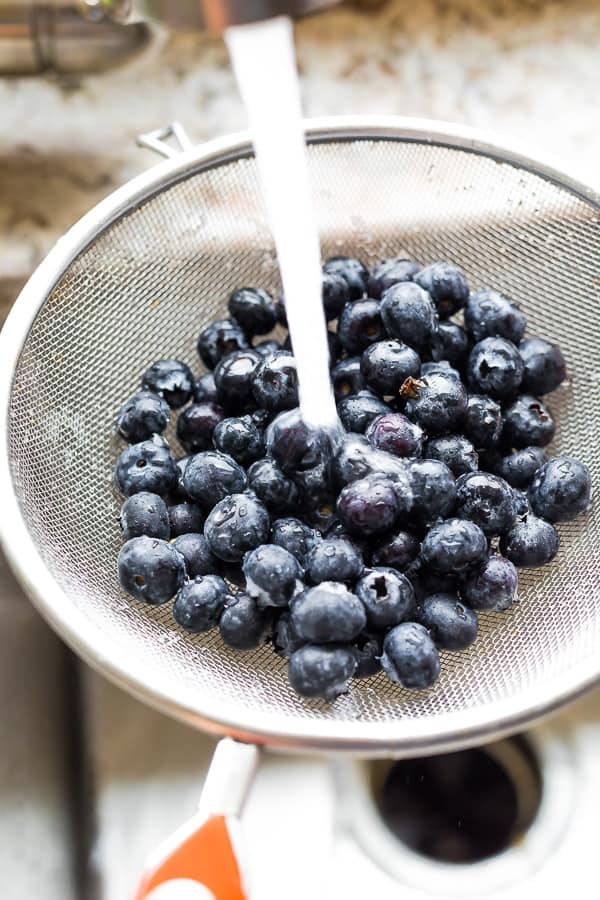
(405, 737)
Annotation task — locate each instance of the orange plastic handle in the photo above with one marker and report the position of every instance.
(201, 851)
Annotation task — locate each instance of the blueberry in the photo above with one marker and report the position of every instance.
(179, 492)
(285, 639)
(358, 410)
(211, 476)
(196, 425)
(271, 574)
(521, 503)
(395, 434)
(410, 657)
(438, 403)
(426, 582)
(237, 524)
(142, 416)
(295, 536)
(294, 445)
(483, 423)
(452, 625)
(561, 489)
(147, 466)
(150, 570)
(261, 418)
(205, 389)
(353, 271)
(408, 314)
(451, 343)
(254, 309)
(185, 518)
(396, 551)
(198, 558)
(455, 451)
(390, 272)
(495, 368)
(171, 379)
(387, 596)
(347, 377)
(527, 422)
(433, 490)
(453, 546)
(334, 559)
(147, 514)
(327, 613)
(234, 377)
(447, 286)
(387, 364)
(316, 495)
(369, 506)
(487, 500)
(518, 468)
(441, 367)
(243, 624)
(267, 347)
(200, 602)
(276, 490)
(335, 295)
(351, 460)
(359, 325)
(218, 339)
(321, 671)
(531, 542)
(493, 587)
(490, 314)
(275, 383)
(240, 439)
(545, 366)
(368, 649)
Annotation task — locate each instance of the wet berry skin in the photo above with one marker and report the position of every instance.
(519, 468)
(442, 367)
(210, 476)
(275, 383)
(335, 294)
(285, 639)
(273, 487)
(387, 364)
(198, 558)
(142, 416)
(530, 543)
(147, 466)
(358, 411)
(360, 325)
(200, 603)
(545, 366)
(196, 425)
(237, 524)
(234, 376)
(150, 570)
(409, 315)
(389, 272)
(267, 347)
(352, 270)
(447, 286)
(347, 377)
(295, 536)
(387, 596)
(561, 489)
(239, 438)
(454, 451)
(368, 506)
(487, 500)
(396, 434)
(205, 389)
(185, 518)
(321, 670)
(453, 546)
(483, 422)
(368, 650)
(491, 314)
(334, 559)
(295, 445)
(433, 489)
(492, 587)
(218, 339)
(243, 624)
(145, 514)
(451, 624)
(396, 551)
(439, 404)
(495, 368)
(527, 422)
(171, 379)
(254, 309)
(271, 574)
(451, 343)
(410, 658)
(327, 613)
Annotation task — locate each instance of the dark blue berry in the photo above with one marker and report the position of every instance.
(295, 536)
(447, 286)
(243, 624)
(205, 389)
(196, 425)
(200, 602)
(359, 325)
(433, 490)
(295, 445)
(358, 410)
(368, 649)
(521, 503)
(491, 314)
(334, 559)
(147, 466)
(396, 434)
(545, 366)
(234, 377)
(352, 270)
(438, 403)
(171, 379)
(185, 518)
(211, 476)
(531, 542)
(327, 613)
(237, 524)
(150, 570)
(142, 416)
(527, 422)
(275, 383)
(179, 492)
(396, 551)
(495, 368)
(518, 468)
(389, 272)
(483, 422)
(218, 339)
(197, 555)
(276, 490)
(254, 309)
(455, 451)
(267, 347)
(321, 671)
(561, 489)
(369, 506)
(442, 367)
(451, 343)
(410, 658)
(493, 587)
(347, 377)
(453, 546)
(387, 364)
(487, 500)
(451, 624)
(408, 314)
(240, 439)
(285, 639)
(425, 582)
(272, 574)
(147, 514)
(335, 295)
(387, 596)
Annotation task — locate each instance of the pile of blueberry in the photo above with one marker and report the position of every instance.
(367, 549)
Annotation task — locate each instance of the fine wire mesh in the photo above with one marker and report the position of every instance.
(144, 288)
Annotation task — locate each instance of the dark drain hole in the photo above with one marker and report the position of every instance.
(462, 807)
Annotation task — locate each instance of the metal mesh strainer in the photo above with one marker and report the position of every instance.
(138, 277)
